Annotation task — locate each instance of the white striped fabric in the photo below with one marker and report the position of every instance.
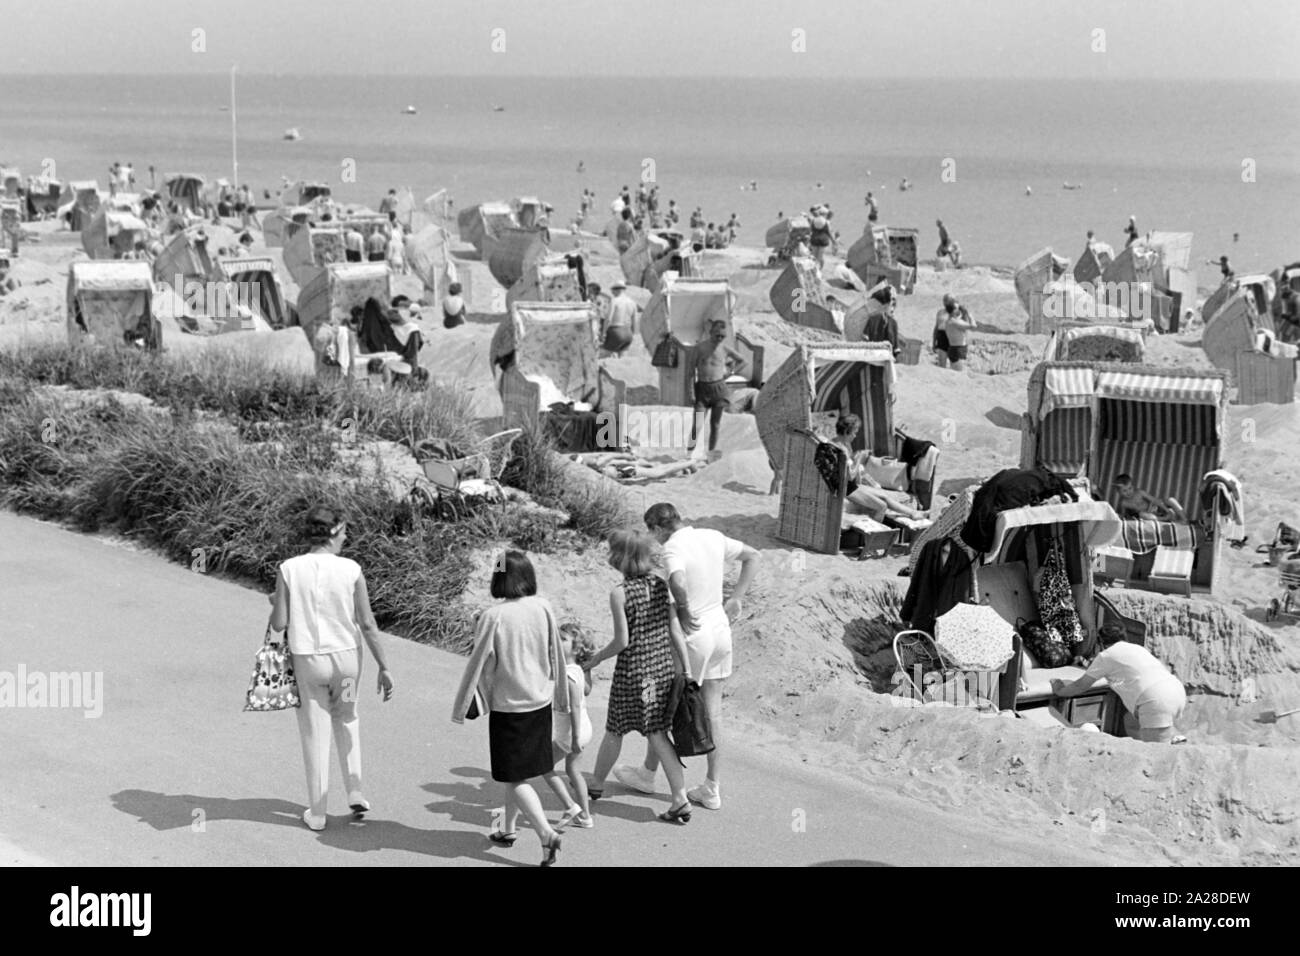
(1069, 387)
(1134, 386)
(1063, 440)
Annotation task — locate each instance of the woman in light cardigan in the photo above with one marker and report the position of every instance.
(321, 599)
(518, 663)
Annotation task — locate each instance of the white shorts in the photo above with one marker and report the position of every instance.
(562, 731)
(1162, 706)
(708, 650)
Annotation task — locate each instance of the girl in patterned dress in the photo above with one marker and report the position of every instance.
(651, 652)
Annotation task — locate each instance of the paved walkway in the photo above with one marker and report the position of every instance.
(174, 773)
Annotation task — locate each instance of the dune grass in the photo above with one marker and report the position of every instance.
(218, 471)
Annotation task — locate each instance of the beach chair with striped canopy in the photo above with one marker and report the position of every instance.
(814, 386)
(1161, 426)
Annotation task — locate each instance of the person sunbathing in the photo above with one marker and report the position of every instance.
(622, 466)
(1136, 503)
(869, 497)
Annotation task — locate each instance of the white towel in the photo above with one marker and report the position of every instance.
(1235, 528)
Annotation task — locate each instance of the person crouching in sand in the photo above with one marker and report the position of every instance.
(1153, 696)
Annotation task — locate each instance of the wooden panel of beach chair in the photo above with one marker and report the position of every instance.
(520, 401)
(1006, 589)
(1264, 378)
(810, 512)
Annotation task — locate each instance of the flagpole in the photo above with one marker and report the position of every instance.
(234, 136)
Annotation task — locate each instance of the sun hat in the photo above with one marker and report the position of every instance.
(617, 284)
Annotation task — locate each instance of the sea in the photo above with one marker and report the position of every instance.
(989, 157)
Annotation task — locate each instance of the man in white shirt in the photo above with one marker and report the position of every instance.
(1152, 695)
(696, 560)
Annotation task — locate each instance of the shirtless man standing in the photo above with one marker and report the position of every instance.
(716, 361)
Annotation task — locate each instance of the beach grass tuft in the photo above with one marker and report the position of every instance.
(216, 466)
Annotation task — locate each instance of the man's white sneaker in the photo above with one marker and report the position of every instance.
(635, 778)
(313, 823)
(705, 795)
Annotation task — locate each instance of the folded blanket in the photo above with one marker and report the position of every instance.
(1141, 535)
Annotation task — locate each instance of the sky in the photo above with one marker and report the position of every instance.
(1049, 39)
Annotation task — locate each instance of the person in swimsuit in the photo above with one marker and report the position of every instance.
(869, 497)
(716, 361)
(622, 466)
(1136, 503)
(620, 328)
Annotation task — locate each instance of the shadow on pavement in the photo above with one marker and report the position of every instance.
(850, 863)
(165, 811)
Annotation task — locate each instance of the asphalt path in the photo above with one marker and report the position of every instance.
(172, 772)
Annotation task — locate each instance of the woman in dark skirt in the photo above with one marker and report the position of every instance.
(651, 652)
(518, 663)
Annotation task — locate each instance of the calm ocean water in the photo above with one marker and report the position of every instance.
(1170, 154)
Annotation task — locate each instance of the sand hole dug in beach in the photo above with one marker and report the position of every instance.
(816, 663)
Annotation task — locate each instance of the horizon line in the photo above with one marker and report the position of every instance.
(783, 77)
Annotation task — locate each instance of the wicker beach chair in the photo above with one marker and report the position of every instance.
(547, 354)
(1232, 341)
(816, 384)
(800, 297)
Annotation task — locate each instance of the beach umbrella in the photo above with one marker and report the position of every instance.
(974, 637)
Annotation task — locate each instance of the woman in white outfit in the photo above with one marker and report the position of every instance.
(322, 599)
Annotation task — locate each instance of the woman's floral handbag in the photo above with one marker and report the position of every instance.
(274, 686)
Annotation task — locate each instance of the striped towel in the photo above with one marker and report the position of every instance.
(1141, 535)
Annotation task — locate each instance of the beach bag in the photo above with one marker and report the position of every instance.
(692, 733)
(274, 686)
(665, 355)
(1043, 643)
(477, 706)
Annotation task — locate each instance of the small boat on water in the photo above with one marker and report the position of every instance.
(292, 133)
(409, 111)
(498, 109)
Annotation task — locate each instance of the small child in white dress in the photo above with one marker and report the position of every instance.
(572, 732)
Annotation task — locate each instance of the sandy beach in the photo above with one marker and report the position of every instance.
(805, 659)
